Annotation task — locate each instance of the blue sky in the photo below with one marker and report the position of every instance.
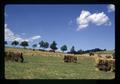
(84, 26)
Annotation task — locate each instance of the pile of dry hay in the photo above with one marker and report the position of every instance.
(105, 63)
(70, 58)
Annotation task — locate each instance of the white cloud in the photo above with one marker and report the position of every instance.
(10, 36)
(26, 40)
(86, 18)
(5, 25)
(99, 18)
(82, 26)
(111, 8)
(31, 39)
(35, 37)
(83, 20)
(19, 39)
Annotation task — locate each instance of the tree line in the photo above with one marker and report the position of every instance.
(43, 45)
(53, 46)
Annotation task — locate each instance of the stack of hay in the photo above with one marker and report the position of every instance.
(14, 56)
(70, 58)
(106, 63)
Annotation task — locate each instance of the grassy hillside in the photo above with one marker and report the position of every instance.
(41, 67)
(47, 65)
(105, 52)
(30, 52)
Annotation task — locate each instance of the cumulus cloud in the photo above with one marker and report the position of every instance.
(86, 18)
(99, 18)
(111, 8)
(83, 20)
(10, 36)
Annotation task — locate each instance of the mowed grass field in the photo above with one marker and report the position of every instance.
(39, 66)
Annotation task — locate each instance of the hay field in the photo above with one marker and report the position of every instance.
(49, 65)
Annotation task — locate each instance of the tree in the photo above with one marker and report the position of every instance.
(24, 44)
(15, 43)
(105, 50)
(41, 43)
(34, 46)
(80, 51)
(72, 50)
(64, 48)
(46, 45)
(53, 46)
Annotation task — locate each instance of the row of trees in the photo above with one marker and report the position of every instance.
(44, 45)
(88, 51)
(15, 43)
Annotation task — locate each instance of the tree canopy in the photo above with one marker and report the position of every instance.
(64, 48)
(53, 46)
(24, 44)
(15, 43)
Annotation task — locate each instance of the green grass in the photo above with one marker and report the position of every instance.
(45, 67)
